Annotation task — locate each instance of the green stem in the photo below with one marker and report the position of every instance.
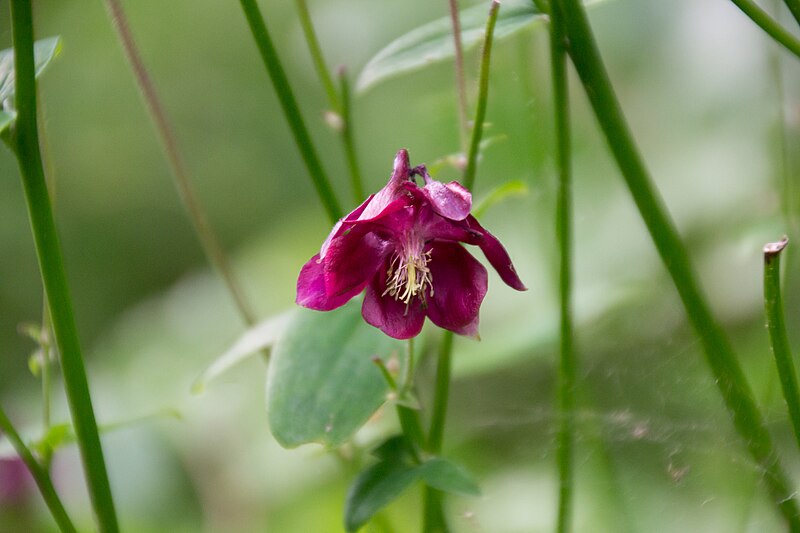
(770, 25)
(316, 54)
(568, 364)
(483, 94)
(441, 393)
(434, 518)
(290, 109)
(39, 474)
(461, 82)
(728, 375)
(773, 305)
(409, 418)
(208, 239)
(48, 251)
(348, 138)
(794, 7)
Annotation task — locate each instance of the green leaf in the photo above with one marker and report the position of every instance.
(322, 385)
(374, 489)
(508, 189)
(6, 118)
(448, 477)
(433, 42)
(44, 51)
(262, 335)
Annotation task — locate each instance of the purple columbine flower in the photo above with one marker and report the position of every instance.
(402, 245)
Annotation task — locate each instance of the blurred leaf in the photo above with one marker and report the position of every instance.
(262, 335)
(508, 189)
(394, 447)
(44, 51)
(322, 384)
(374, 489)
(448, 477)
(35, 362)
(433, 42)
(6, 118)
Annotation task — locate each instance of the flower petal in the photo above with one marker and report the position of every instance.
(391, 316)
(353, 259)
(497, 255)
(450, 200)
(343, 224)
(459, 286)
(311, 288)
(392, 190)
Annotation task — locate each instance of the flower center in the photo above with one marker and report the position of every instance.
(409, 275)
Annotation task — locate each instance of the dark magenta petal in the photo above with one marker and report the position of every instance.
(344, 224)
(391, 316)
(392, 190)
(497, 255)
(353, 259)
(311, 288)
(459, 286)
(451, 200)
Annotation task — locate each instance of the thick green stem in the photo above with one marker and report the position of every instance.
(48, 250)
(568, 364)
(316, 55)
(208, 239)
(461, 82)
(483, 96)
(770, 25)
(348, 138)
(39, 474)
(728, 375)
(779, 341)
(290, 109)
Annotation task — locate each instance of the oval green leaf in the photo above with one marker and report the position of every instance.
(433, 42)
(322, 384)
(375, 488)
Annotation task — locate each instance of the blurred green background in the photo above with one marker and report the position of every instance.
(656, 451)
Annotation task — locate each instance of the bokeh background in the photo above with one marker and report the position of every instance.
(714, 107)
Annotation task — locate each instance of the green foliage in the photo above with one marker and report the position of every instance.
(44, 51)
(433, 42)
(322, 383)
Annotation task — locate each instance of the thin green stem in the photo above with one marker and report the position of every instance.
(348, 138)
(773, 305)
(568, 364)
(40, 475)
(387, 376)
(434, 517)
(441, 393)
(48, 251)
(483, 96)
(290, 109)
(728, 375)
(208, 239)
(316, 55)
(778, 33)
(461, 82)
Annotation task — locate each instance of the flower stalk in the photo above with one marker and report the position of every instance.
(290, 108)
(25, 141)
(762, 19)
(728, 375)
(461, 82)
(483, 96)
(567, 374)
(776, 325)
(205, 233)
